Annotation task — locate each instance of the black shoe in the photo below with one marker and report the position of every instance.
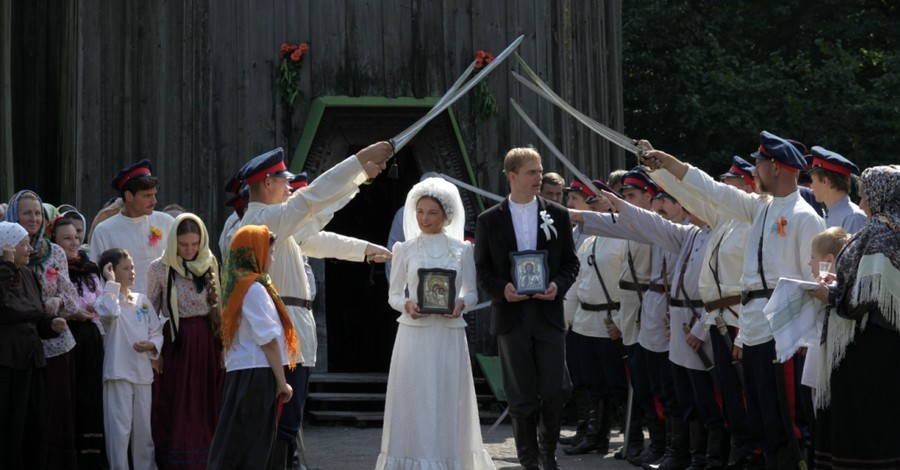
(677, 456)
(574, 439)
(594, 439)
(525, 434)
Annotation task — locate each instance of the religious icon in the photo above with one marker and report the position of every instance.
(437, 290)
(529, 271)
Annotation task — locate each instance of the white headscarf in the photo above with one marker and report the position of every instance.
(448, 195)
(11, 234)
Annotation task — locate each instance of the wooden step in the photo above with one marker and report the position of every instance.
(331, 396)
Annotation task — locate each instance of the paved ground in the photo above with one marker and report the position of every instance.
(351, 448)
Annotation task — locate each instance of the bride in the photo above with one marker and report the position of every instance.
(431, 416)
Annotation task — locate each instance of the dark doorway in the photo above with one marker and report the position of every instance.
(360, 325)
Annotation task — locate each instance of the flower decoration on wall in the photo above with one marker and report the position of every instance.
(289, 72)
(485, 102)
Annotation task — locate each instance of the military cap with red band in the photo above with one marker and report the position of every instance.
(780, 151)
(268, 165)
(576, 185)
(637, 179)
(833, 161)
(140, 169)
(300, 180)
(740, 168)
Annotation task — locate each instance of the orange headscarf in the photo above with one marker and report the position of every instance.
(246, 263)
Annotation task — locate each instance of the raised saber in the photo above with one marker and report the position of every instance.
(541, 88)
(401, 139)
(559, 155)
(474, 189)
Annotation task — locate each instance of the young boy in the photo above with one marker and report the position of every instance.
(133, 338)
(825, 248)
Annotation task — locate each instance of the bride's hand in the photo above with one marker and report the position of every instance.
(413, 310)
(457, 312)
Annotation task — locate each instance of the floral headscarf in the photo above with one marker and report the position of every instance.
(867, 272)
(195, 269)
(245, 264)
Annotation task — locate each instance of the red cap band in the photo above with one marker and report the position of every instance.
(826, 165)
(139, 171)
(578, 185)
(261, 175)
(299, 184)
(763, 151)
(632, 181)
(748, 178)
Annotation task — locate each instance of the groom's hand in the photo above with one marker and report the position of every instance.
(549, 294)
(510, 294)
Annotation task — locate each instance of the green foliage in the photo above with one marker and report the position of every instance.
(703, 78)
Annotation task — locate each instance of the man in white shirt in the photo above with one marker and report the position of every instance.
(782, 227)
(137, 228)
(297, 219)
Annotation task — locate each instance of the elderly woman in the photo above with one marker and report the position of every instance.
(184, 287)
(23, 393)
(859, 379)
(48, 262)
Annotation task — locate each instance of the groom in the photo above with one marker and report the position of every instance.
(531, 329)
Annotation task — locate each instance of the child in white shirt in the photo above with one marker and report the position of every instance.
(133, 338)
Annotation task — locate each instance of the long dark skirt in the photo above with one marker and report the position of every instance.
(246, 428)
(23, 418)
(88, 363)
(62, 452)
(187, 396)
(859, 428)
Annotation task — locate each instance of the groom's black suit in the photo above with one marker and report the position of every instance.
(530, 333)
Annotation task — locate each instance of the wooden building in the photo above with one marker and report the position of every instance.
(89, 86)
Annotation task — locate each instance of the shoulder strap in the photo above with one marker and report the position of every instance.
(592, 261)
(759, 251)
(684, 264)
(634, 279)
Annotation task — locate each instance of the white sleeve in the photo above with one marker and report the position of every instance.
(709, 199)
(155, 328)
(107, 305)
(332, 245)
(99, 243)
(468, 293)
(650, 228)
(397, 290)
(259, 312)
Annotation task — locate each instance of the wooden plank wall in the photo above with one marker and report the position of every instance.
(191, 84)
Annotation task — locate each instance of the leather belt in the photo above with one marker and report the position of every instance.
(297, 302)
(599, 307)
(748, 295)
(722, 303)
(657, 287)
(686, 303)
(635, 286)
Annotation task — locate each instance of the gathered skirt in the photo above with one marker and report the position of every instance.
(859, 427)
(187, 396)
(431, 414)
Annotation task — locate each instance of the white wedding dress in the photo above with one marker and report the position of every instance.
(431, 415)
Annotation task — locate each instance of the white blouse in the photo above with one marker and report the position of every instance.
(431, 251)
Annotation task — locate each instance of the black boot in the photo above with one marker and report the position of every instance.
(635, 438)
(718, 449)
(576, 438)
(699, 442)
(658, 430)
(677, 456)
(590, 441)
(548, 432)
(525, 434)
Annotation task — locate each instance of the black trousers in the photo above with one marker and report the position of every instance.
(733, 394)
(23, 418)
(659, 369)
(533, 363)
(602, 367)
(697, 397)
(762, 394)
(640, 382)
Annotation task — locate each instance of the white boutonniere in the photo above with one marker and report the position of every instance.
(547, 225)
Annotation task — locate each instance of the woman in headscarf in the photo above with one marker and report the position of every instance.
(183, 286)
(23, 392)
(48, 262)
(431, 414)
(259, 340)
(859, 378)
(88, 351)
